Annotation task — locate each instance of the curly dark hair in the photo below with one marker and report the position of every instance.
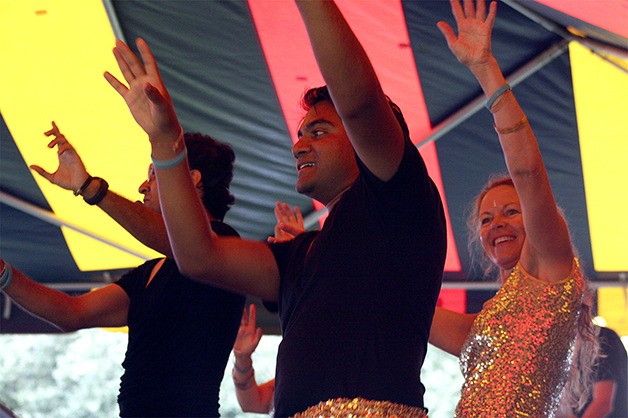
(214, 160)
(316, 95)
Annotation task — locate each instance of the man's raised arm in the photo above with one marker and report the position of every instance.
(368, 119)
(239, 265)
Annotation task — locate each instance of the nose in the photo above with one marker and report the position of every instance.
(301, 148)
(497, 222)
(143, 189)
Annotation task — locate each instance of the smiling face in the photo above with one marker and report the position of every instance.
(501, 226)
(149, 189)
(326, 162)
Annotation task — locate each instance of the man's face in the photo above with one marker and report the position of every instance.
(326, 163)
(149, 189)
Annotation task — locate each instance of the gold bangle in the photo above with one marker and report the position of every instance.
(519, 125)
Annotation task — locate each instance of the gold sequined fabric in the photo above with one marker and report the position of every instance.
(517, 357)
(358, 407)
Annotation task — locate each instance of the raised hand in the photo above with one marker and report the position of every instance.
(248, 336)
(289, 224)
(472, 45)
(71, 173)
(146, 95)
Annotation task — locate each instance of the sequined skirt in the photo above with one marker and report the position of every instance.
(358, 407)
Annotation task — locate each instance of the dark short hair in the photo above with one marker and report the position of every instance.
(316, 95)
(214, 160)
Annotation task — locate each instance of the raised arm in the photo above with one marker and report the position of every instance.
(243, 266)
(547, 252)
(360, 102)
(251, 396)
(105, 307)
(146, 225)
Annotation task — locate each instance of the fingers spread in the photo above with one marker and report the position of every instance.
(133, 66)
(147, 56)
(117, 85)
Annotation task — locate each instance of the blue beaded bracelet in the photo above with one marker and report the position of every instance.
(172, 162)
(491, 101)
(6, 276)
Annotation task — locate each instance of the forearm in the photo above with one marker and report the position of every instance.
(251, 397)
(603, 399)
(341, 59)
(547, 231)
(185, 219)
(146, 225)
(48, 304)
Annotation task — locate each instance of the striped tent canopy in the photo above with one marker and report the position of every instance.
(236, 70)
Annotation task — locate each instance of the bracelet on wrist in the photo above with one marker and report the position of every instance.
(245, 370)
(500, 91)
(178, 159)
(246, 381)
(103, 188)
(516, 127)
(84, 186)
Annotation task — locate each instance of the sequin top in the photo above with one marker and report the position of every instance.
(516, 358)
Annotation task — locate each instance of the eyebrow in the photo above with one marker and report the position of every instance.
(312, 124)
(505, 206)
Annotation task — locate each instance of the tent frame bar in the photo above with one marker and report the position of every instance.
(53, 219)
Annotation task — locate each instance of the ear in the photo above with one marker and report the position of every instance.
(196, 177)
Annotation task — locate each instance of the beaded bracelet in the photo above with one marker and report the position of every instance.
(172, 162)
(519, 125)
(103, 188)
(239, 370)
(491, 101)
(248, 380)
(6, 276)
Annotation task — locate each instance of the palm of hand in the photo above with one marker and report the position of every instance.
(246, 341)
(71, 173)
(140, 105)
(472, 46)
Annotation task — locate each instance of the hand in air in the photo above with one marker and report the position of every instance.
(146, 95)
(472, 46)
(249, 334)
(289, 223)
(71, 173)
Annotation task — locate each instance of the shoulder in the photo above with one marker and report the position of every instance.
(223, 229)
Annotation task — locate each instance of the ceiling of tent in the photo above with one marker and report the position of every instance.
(235, 70)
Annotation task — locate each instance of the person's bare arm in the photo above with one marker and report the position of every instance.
(603, 398)
(105, 307)
(547, 252)
(146, 225)
(450, 329)
(360, 102)
(242, 266)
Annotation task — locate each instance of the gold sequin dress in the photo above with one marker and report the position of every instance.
(517, 356)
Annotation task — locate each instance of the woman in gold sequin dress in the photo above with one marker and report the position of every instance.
(516, 353)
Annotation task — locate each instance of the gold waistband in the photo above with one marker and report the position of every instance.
(358, 407)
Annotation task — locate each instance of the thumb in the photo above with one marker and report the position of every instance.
(41, 172)
(447, 31)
